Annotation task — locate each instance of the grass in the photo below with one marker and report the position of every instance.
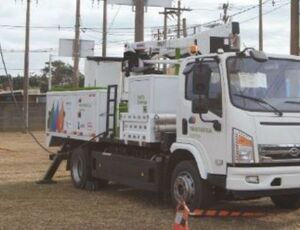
(27, 205)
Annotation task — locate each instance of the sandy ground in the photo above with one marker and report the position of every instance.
(27, 205)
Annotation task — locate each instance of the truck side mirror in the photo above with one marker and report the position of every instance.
(235, 28)
(258, 56)
(201, 79)
(200, 105)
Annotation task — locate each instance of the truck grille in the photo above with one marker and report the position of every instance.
(279, 153)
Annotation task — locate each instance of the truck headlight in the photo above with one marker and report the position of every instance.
(243, 150)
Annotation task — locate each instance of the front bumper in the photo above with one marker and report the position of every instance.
(285, 178)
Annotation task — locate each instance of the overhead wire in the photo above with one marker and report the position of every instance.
(129, 31)
(266, 13)
(19, 109)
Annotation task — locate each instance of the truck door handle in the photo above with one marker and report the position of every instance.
(216, 124)
(184, 126)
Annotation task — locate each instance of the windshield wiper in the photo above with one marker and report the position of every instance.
(260, 100)
(293, 102)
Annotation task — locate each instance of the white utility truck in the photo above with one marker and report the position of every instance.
(198, 125)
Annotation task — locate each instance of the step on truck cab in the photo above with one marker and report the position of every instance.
(205, 126)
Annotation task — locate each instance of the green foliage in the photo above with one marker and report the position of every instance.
(61, 74)
(61, 77)
(35, 81)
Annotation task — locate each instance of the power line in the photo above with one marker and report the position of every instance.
(67, 28)
(249, 9)
(243, 11)
(19, 69)
(85, 28)
(48, 50)
(266, 13)
(235, 14)
(18, 107)
(114, 19)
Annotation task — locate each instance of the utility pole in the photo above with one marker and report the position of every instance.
(139, 20)
(26, 70)
(225, 9)
(173, 11)
(166, 13)
(165, 24)
(184, 27)
(104, 29)
(295, 27)
(179, 19)
(158, 35)
(261, 44)
(76, 46)
(50, 73)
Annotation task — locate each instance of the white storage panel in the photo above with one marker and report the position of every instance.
(78, 115)
(152, 99)
(152, 94)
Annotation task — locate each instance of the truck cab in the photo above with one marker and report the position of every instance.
(239, 117)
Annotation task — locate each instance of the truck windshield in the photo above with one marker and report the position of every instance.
(275, 82)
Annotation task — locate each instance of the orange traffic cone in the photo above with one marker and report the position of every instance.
(181, 218)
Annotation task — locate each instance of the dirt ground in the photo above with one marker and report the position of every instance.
(27, 205)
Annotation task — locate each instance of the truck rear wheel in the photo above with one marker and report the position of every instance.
(286, 201)
(187, 185)
(81, 170)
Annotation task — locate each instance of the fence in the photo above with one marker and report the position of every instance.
(11, 119)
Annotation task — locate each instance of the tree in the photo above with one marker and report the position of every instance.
(61, 73)
(61, 76)
(17, 82)
(35, 81)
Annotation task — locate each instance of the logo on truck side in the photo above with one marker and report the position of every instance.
(141, 100)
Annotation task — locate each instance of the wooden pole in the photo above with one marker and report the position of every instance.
(76, 46)
(50, 72)
(139, 20)
(26, 70)
(184, 27)
(261, 45)
(104, 29)
(165, 24)
(295, 27)
(179, 19)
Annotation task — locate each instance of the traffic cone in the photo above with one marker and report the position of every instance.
(181, 218)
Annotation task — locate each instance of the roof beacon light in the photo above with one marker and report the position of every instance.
(194, 49)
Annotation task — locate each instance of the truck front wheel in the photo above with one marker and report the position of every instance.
(287, 201)
(188, 186)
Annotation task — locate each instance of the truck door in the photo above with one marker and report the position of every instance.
(200, 131)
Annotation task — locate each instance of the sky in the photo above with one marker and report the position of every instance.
(57, 19)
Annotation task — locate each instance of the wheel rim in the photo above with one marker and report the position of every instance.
(184, 188)
(77, 170)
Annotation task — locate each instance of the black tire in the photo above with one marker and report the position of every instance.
(81, 170)
(187, 184)
(286, 201)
